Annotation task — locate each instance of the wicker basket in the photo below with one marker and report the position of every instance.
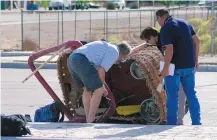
(132, 82)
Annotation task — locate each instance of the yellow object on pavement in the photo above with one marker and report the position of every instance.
(128, 110)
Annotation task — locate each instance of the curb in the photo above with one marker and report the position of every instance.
(11, 65)
(207, 68)
(52, 65)
(16, 53)
(10, 11)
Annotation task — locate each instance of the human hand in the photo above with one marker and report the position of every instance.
(105, 91)
(197, 66)
(165, 72)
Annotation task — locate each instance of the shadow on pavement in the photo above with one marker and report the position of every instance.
(135, 130)
(206, 85)
(64, 125)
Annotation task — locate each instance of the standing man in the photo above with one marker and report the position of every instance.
(88, 66)
(152, 38)
(182, 49)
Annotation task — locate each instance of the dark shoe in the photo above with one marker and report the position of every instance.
(163, 123)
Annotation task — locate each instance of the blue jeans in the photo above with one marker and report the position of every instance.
(187, 79)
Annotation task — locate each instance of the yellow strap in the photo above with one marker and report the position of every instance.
(128, 110)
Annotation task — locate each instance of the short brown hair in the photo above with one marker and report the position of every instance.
(162, 12)
(148, 32)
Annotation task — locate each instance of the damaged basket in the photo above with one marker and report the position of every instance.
(132, 88)
(133, 85)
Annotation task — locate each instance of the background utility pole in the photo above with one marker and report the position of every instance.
(212, 30)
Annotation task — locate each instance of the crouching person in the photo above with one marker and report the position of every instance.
(88, 66)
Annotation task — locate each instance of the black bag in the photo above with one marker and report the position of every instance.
(49, 113)
(14, 125)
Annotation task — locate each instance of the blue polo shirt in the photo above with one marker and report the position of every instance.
(179, 33)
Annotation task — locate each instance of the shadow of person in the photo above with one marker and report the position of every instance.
(134, 130)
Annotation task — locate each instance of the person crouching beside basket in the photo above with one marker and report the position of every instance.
(88, 66)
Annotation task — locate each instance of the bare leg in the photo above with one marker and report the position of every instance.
(86, 97)
(181, 109)
(95, 102)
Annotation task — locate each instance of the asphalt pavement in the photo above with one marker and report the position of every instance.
(25, 98)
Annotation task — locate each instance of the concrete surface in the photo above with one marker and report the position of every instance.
(75, 131)
(25, 98)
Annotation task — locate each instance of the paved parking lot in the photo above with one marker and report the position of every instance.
(25, 98)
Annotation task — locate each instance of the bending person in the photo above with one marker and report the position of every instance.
(88, 66)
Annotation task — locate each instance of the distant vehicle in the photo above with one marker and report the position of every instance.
(56, 5)
(120, 4)
(94, 6)
(32, 6)
(201, 3)
(77, 6)
(208, 4)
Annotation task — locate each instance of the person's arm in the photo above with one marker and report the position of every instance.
(138, 48)
(196, 44)
(166, 40)
(101, 73)
(109, 59)
(196, 47)
(168, 55)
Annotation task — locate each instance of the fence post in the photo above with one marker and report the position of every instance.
(117, 29)
(207, 14)
(194, 12)
(151, 18)
(106, 25)
(39, 28)
(177, 12)
(62, 27)
(129, 25)
(154, 18)
(140, 20)
(22, 29)
(75, 24)
(212, 30)
(90, 25)
(58, 29)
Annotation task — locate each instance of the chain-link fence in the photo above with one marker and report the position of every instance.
(50, 28)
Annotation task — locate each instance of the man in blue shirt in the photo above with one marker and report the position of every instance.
(181, 48)
(88, 65)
